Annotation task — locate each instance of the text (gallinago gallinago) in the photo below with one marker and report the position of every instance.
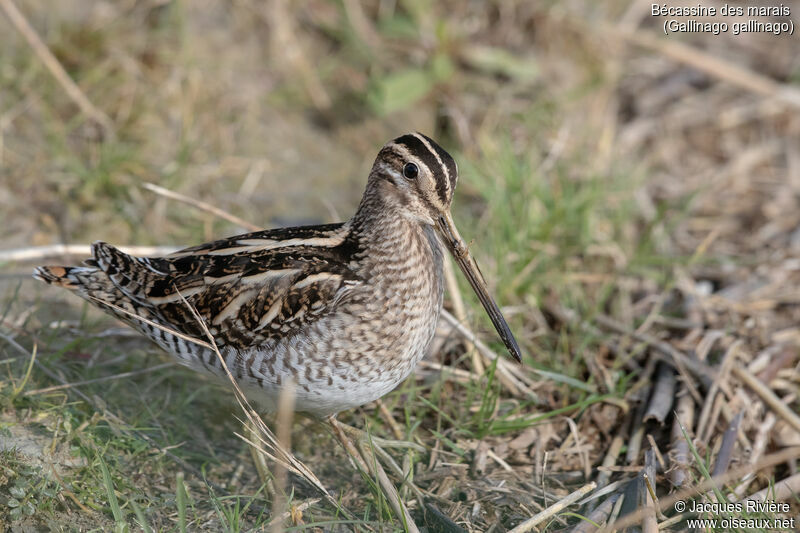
(344, 310)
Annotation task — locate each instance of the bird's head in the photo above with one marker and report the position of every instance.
(417, 178)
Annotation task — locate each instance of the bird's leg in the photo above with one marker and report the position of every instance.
(367, 462)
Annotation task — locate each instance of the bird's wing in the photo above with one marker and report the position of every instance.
(247, 289)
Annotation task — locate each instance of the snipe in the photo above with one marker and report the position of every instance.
(344, 310)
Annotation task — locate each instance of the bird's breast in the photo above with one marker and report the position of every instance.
(393, 320)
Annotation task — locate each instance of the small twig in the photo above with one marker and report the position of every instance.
(165, 329)
(557, 507)
(759, 446)
(286, 47)
(389, 419)
(390, 491)
(703, 427)
(38, 253)
(448, 372)
(609, 490)
(617, 509)
(579, 448)
(199, 204)
(636, 435)
(283, 422)
(649, 478)
(460, 312)
(775, 403)
(379, 442)
(99, 380)
(615, 468)
(74, 92)
(649, 523)
(71, 495)
(667, 524)
(513, 382)
(499, 460)
(659, 456)
(784, 359)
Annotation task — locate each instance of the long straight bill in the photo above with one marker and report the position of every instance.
(470, 269)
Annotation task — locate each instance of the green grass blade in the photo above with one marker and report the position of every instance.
(140, 517)
(181, 500)
(119, 518)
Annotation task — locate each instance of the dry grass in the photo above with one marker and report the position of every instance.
(633, 200)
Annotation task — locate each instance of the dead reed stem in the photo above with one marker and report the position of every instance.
(72, 90)
(202, 206)
(39, 253)
(557, 507)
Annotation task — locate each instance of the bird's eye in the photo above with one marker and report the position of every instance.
(410, 171)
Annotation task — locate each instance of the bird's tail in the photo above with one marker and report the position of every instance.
(101, 278)
(72, 278)
(108, 270)
(97, 281)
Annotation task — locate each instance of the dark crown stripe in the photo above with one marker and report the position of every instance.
(419, 150)
(446, 182)
(447, 159)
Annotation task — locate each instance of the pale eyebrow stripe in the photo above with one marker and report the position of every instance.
(406, 153)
